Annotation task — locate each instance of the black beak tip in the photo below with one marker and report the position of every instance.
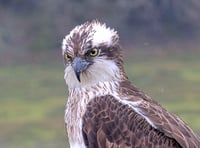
(78, 76)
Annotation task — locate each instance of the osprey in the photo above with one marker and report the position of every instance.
(104, 109)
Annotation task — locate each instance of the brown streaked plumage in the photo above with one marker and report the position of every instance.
(113, 124)
(104, 109)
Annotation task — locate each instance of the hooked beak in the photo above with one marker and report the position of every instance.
(79, 65)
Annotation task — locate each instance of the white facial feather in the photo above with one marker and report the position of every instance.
(100, 71)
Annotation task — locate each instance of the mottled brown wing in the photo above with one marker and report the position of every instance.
(170, 124)
(109, 123)
(165, 122)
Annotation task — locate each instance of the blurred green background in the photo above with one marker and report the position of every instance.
(161, 41)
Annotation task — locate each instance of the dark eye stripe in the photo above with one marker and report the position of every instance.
(88, 52)
(102, 54)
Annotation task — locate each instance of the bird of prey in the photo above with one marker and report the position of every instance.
(104, 110)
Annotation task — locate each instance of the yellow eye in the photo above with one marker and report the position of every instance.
(68, 57)
(93, 52)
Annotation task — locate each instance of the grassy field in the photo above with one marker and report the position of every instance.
(33, 96)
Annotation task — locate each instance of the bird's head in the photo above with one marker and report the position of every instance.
(91, 54)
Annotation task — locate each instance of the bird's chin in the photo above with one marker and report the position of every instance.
(84, 80)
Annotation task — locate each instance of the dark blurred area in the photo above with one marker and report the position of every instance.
(29, 26)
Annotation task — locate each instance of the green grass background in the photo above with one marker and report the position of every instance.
(33, 96)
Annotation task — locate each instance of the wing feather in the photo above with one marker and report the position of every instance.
(170, 124)
(108, 122)
(134, 120)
